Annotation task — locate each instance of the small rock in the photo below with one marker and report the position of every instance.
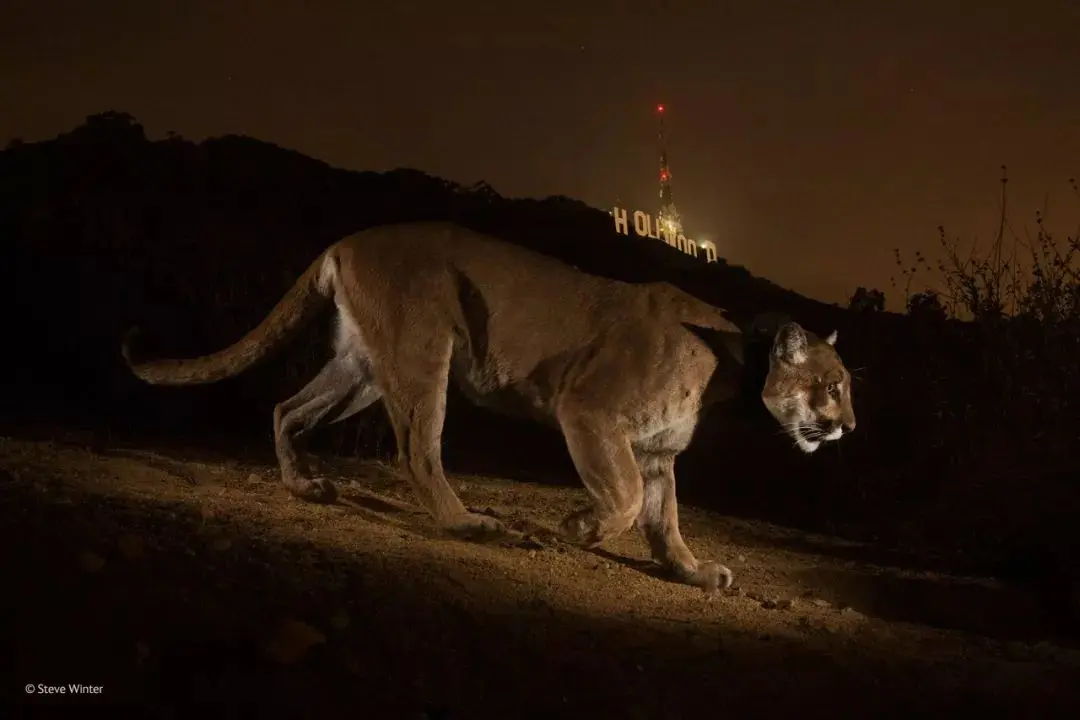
(90, 562)
(741, 558)
(785, 604)
(292, 641)
(531, 543)
(769, 604)
(821, 602)
(254, 478)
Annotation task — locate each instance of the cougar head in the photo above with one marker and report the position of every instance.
(808, 389)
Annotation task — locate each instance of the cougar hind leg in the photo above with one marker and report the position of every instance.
(415, 384)
(343, 387)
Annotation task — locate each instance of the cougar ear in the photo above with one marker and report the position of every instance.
(832, 338)
(790, 344)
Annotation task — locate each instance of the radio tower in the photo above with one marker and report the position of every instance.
(669, 216)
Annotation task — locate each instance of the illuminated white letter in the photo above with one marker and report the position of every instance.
(621, 225)
(654, 227)
(641, 223)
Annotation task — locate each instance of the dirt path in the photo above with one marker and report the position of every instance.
(168, 581)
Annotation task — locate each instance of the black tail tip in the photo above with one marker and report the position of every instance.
(127, 343)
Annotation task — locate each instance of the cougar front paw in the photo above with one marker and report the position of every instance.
(318, 490)
(709, 576)
(473, 526)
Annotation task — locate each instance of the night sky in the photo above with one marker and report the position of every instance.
(807, 139)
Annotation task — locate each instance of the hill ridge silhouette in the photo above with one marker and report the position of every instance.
(120, 133)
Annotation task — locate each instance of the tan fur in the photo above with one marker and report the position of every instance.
(623, 370)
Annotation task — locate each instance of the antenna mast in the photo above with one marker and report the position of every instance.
(670, 223)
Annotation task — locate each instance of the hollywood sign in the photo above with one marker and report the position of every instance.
(647, 226)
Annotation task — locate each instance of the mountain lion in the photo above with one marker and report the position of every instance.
(623, 370)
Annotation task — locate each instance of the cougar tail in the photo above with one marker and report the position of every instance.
(307, 297)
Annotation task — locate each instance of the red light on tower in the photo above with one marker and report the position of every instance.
(659, 108)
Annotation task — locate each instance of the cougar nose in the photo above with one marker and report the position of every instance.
(849, 426)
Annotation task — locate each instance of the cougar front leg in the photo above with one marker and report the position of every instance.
(341, 389)
(659, 521)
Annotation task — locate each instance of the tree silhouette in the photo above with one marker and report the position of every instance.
(926, 306)
(110, 126)
(864, 300)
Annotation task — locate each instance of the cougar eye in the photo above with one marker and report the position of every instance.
(833, 389)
